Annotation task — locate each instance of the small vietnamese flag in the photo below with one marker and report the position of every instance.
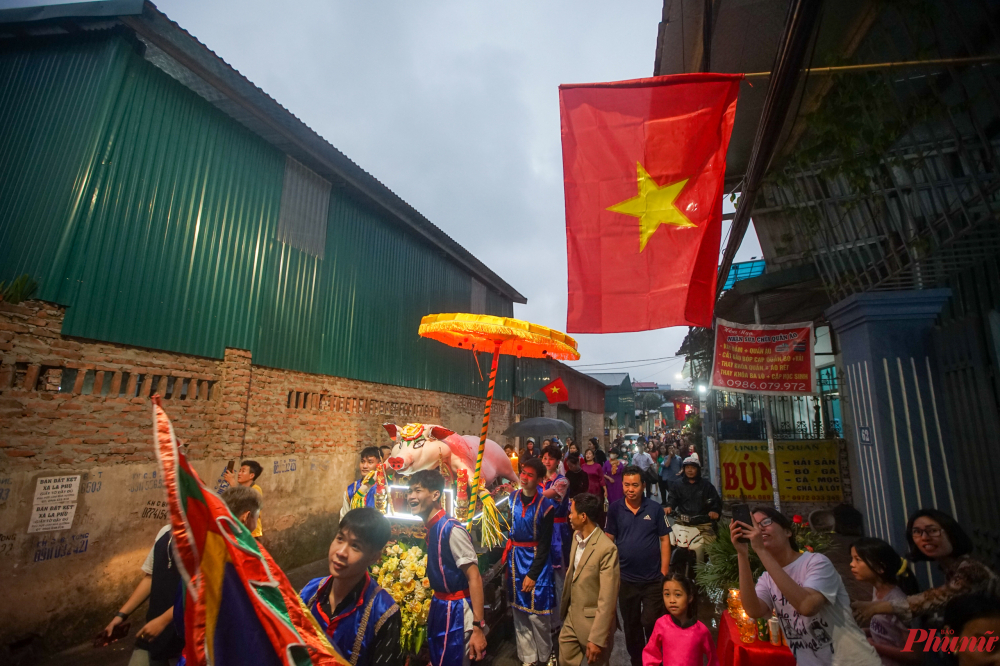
(555, 391)
(643, 165)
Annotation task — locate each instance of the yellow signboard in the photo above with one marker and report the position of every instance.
(808, 471)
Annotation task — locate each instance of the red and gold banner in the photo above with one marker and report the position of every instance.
(773, 360)
(643, 165)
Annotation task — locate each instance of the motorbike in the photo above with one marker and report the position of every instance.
(689, 535)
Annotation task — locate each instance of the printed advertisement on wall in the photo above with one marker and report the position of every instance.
(771, 360)
(808, 470)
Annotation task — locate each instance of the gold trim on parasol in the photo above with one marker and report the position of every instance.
(481, 333)
(494, 335)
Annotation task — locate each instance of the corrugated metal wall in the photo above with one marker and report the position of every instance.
(356, 312)
(154, 217)
(48, 148)
(584, 394)
(171, 249)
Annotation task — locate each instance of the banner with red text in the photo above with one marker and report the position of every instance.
(771, 360)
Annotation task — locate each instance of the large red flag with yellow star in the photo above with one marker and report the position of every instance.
(643, 164)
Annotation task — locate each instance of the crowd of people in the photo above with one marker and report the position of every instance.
(589, 542)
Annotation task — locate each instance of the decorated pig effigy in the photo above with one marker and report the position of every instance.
(420, 446)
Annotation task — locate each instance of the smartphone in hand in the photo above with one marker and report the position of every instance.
(741, 513)
(231, 466)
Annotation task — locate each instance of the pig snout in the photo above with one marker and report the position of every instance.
(396, 463)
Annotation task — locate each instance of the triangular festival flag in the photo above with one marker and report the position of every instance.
(239, 607)
(643, 164)
(556, 391)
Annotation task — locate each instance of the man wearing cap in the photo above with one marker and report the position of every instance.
(692, 498)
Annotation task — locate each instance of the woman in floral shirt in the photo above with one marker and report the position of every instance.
(934, 535)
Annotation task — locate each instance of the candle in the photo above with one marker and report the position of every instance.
(513, 461)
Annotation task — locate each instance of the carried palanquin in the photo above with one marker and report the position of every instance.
(419, 446)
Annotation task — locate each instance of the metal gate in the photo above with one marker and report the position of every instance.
(971, 404)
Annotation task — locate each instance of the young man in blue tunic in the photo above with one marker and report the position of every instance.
(556, 488)
(528, 567)
(359, 617)
(456, 622)
(370, 458)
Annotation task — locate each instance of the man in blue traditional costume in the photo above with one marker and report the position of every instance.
(556, 488)
(455, 624)
(359, 617)
(530, 584)
(370, 458)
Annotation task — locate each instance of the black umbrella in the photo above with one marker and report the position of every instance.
(539, 427)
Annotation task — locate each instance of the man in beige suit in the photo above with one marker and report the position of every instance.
(590, 594)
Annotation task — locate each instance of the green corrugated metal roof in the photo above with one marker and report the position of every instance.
(153, 216)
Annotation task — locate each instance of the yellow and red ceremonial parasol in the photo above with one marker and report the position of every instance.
(496, 335)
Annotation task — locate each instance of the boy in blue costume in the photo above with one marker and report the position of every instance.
(530, 584)
(359, 617)
(556, 488)
(455, 624)
(370, 458)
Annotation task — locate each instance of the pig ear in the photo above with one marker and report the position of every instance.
(441, 433)
(391, 429)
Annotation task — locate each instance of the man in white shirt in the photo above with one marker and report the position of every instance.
(591, 590)
(644, 461)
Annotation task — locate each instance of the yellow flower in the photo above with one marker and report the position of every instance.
(405, 576)
(397, 591)
(375, 570)
(426, 582)
(391, 564)
(421, 572)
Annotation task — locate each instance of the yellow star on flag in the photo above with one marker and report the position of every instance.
(654, 206)
(554, 389)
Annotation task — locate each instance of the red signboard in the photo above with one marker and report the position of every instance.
(753, 358)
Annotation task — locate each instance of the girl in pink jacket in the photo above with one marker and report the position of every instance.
(679, 639)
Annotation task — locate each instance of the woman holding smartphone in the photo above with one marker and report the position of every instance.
(805, 590)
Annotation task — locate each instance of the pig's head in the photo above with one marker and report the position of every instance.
(417, 446)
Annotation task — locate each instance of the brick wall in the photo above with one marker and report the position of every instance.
(74, 406)
(592, 425)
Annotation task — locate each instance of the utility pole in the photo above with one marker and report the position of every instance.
(769, 426)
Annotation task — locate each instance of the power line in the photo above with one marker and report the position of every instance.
(638, 360)
(640, 365)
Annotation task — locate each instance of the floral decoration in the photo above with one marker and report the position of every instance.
(402, 572)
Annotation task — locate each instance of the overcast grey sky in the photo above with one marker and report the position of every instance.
(454, 106)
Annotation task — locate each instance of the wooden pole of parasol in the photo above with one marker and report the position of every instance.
(474, 488)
